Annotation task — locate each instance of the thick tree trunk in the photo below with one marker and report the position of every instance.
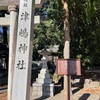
(66, 52)
(66, 30)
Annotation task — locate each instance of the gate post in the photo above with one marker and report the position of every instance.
(13, 9)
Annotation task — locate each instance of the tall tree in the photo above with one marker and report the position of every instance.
(84, 22)
(85, 28)
(66, 30)
(50, 30)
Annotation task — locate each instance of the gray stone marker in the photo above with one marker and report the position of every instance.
(22, 68)
(43, 86)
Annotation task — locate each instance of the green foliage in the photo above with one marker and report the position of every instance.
(50, 31)
(84, 20)
(85, 30)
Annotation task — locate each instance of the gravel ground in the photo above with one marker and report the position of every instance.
(85, 93)
(82, 94)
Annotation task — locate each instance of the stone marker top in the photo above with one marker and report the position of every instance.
(44, 52)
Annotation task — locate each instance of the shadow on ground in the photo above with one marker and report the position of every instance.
(3, 77)
(59, 86)
(75, 90)
(41, 98)
(84, 96)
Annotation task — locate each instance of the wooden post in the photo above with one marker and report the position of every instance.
(23, 60)
(12, 45)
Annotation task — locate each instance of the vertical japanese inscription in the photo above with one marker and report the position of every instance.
(22, 68)
(23, 34)
(22, 48)
(25, 16)
(21, 64)
(25, 3)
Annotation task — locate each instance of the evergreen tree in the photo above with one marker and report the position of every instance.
(50, 31)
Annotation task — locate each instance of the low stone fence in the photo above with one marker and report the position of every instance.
(93, 80)
(90, 79)
(93, 74)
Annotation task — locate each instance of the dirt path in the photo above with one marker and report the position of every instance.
(82, 94)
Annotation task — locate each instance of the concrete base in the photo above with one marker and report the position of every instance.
(43, 90)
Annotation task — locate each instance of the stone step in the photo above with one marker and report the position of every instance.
(43, 81)
(43, 88)
(44, 71)
(44, 94)
(41, 75)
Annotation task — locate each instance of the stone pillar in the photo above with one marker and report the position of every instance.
(13, 9)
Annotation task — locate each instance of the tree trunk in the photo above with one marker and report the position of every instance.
(66, 30)
(66, 53)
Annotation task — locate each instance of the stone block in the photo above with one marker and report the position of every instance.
(43, 70)
(43, 90)
(44, 76)
(43, 81)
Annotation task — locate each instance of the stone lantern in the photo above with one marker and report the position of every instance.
(43, 85)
